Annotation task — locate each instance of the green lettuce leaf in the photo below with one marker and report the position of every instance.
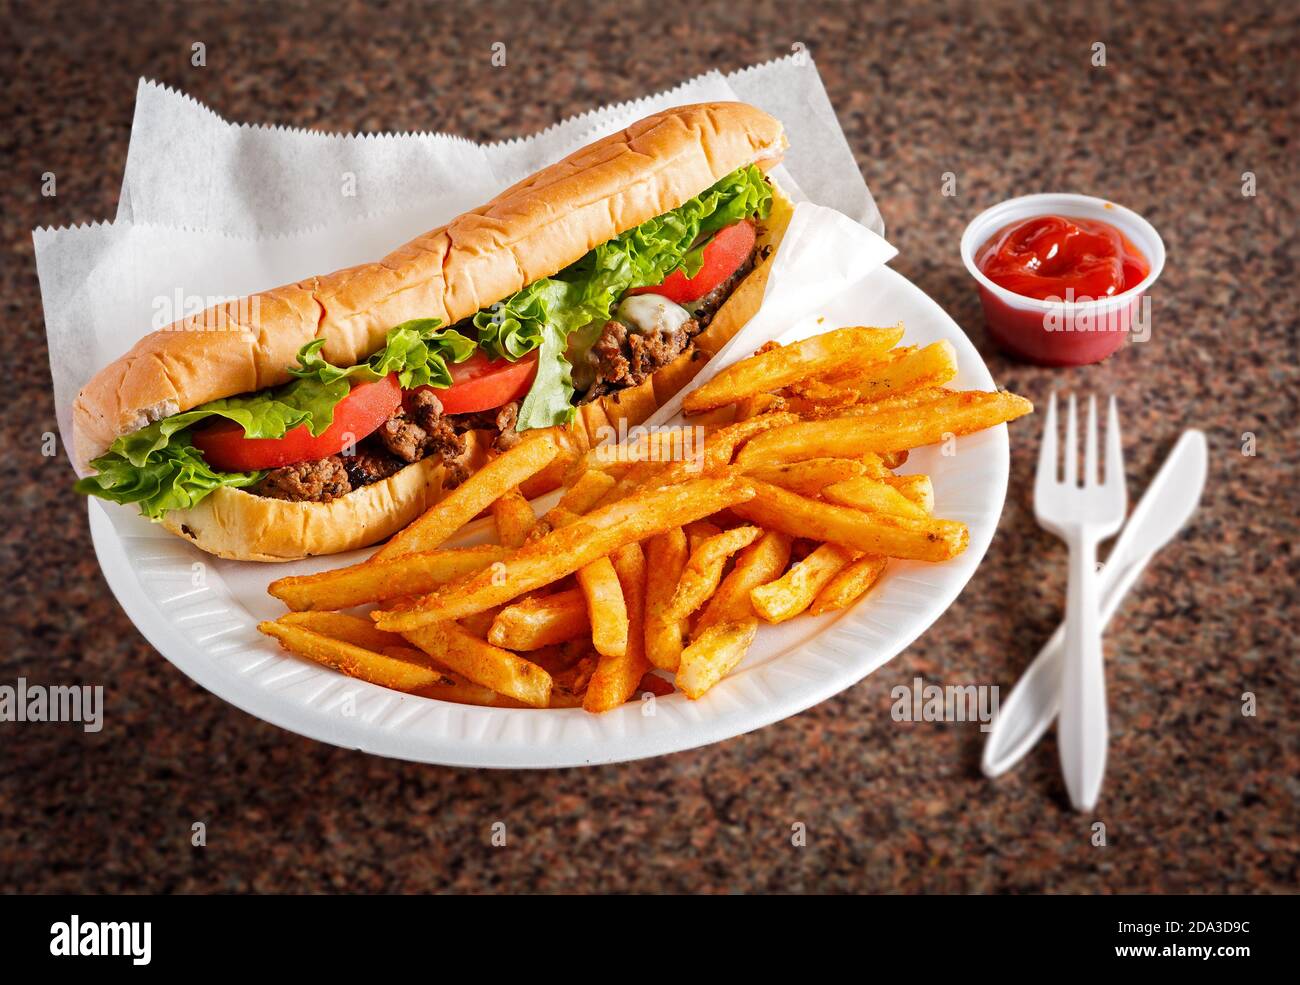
(158, 467)
(545, 312)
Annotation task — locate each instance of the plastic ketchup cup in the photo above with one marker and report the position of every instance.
(1063, 333)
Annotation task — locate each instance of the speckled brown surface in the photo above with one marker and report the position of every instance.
(1198, 797)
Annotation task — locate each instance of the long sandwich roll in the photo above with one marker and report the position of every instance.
(326, 415)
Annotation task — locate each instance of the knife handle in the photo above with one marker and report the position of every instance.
(1034, 702)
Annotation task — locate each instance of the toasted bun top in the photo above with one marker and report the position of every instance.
(531, 230)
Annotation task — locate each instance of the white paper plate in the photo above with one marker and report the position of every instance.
(201, 613)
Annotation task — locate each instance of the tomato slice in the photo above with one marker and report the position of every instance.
(723, 255)
(480, 383)
(366, 407)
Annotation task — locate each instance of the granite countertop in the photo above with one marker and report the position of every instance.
(1199, 798)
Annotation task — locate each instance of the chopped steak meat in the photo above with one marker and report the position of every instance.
(500, 419)
(625, 357)
(423, 432)
(318, 482)
(370, 464)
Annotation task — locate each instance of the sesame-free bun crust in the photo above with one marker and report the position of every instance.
(531, 230)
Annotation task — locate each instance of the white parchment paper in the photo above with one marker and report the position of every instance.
(211, 209)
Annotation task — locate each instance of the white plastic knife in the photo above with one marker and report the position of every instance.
(1166, 506)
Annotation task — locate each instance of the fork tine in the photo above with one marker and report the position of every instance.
(1072, 444)
(1114, 446)
(1047, 467)
(1091, 474)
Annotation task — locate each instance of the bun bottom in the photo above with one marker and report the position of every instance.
(242, 526)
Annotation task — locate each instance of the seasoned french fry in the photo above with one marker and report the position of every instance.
(849, 584)
(842, 437)
(606, 607)
(698, 532)
(379, 581)
(585, 493)
(719, 447)
(918, 488)
(660, 445)
(875, 465)
(514, 518)
(703, 569)
(480, 623)
(863, 493)
(794, 591)
(451, 686)
(759, 563)
(616, 676)
(713, 655)
(473, 496)
(934, 365)
(839, 351)
(589, 488)
(810, 476)
(533, 623)
(871, 533)
(481, 662)
(565, 550)
(759, 403)
(340, 626)
(350, 659)
(666, 555)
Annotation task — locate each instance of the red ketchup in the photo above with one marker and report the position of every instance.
(1054, 258)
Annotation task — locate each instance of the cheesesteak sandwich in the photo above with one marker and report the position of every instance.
(326, 415)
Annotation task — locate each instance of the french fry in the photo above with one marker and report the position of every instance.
(541, 621)
(350, 659)
(713, 655)
(759, 563)
(666, 555)
(480, 623)
(841, 351)
(849, 584)
(660, 445)
(473, 496)
(379, 581)
(698, 532)
(934, 365)
(481, 662)
(888, 431)
(616, 676)
(918, 488)
(871, 533)
(340, 626)
(565, 550)
(606, 607)
(863, 493)
(794, 591)
(759, 403)
(514, 518)
(719, 447)
(587, 490)
(451, 686)
(703, 569)
(810, 476)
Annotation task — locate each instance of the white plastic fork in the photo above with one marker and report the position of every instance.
(1082, 514)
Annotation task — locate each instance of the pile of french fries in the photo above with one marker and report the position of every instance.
(656, 562)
